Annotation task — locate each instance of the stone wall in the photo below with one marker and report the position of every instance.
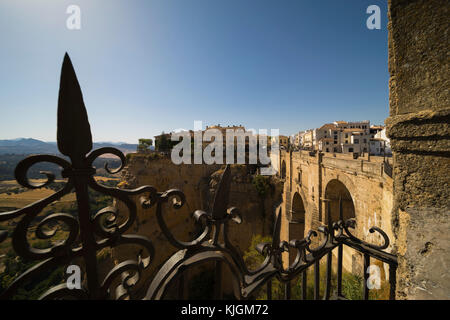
(419, 130)
(198, 183)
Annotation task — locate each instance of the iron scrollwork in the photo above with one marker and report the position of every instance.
(207, 247)
(91, 232)
(87, 233)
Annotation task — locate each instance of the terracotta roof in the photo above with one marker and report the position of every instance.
(353, 130)
(328, 126)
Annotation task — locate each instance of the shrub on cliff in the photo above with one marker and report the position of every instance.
(144, 145)
(262, 185)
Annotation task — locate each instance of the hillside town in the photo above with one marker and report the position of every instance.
(345, 137)
(358, 137)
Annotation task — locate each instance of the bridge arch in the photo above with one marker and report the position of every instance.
(335, 191)
(297, 218)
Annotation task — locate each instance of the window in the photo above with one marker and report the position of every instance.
(346, 135)
(327, 149)
(365, 140)
(356, 141)
(350, 149)
(334, 149)
(346, 141)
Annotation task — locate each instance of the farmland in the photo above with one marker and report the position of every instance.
(13, 196)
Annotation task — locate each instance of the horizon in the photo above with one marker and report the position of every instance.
(54, 141)
(158, 66)
(172, 131)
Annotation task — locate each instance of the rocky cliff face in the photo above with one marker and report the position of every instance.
(198, 183)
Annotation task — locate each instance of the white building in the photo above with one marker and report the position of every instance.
(309, 139)
(298, 139)
(380, 144)
(344, 137)
(355, 140)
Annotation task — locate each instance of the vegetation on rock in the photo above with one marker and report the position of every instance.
(262, 185)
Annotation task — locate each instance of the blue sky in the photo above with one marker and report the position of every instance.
(152, 65)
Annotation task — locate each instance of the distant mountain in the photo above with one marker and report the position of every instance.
(118, 145)
(33, 146)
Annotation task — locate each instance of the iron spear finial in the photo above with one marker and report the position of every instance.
(74, 132)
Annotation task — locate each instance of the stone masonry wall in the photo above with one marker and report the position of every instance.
(419, 130)
(370, 189)
(198, 183)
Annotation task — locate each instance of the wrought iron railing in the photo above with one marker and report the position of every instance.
(89, 233)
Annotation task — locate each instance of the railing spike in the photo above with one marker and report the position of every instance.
(88, 234)
(74, 132)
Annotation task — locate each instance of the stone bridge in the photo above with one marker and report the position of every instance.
(362, 184)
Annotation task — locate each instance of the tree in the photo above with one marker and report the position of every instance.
(144, 145)
(164, 143)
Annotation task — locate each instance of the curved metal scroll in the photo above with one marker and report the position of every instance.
(91, 232)
(208, 248)
(88, 233)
